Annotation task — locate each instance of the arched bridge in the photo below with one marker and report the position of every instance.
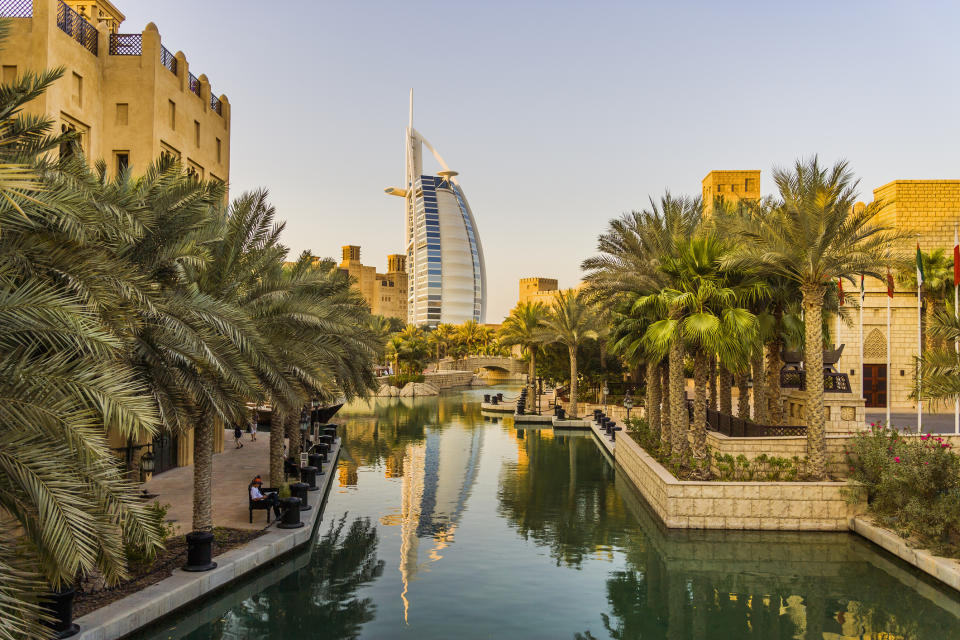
(493, 363)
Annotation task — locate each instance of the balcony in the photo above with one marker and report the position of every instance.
(73, 24)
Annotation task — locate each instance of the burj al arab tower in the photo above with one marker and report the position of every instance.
(447, 275)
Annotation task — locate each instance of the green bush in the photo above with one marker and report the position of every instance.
(763, 468)
(139, 557)
(401, 379)
(913, 485)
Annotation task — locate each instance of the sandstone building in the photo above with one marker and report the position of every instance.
(385, 293)
(129, 98)
(731, 186)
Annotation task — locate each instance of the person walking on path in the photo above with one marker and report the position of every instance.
(237, 437)
(253, 429)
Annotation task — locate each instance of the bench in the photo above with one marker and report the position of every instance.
(261, 504)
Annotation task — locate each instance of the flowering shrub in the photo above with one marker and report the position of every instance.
(913, 484)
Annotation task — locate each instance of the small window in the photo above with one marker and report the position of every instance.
(196, 133)
(68, 147)
(78, 89)
(173, 114)
(9, 74)
(123, 160)
(218, 150)
(123, 113)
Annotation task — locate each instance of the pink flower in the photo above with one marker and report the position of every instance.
(925, 438)
(926, 463)
(945, 445)
(896, 459)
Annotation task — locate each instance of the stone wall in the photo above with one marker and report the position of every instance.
(790, 446)
(844, 412)
(682, 504)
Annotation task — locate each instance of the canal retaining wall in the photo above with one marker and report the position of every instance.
(687, 504)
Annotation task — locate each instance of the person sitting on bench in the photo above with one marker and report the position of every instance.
(271, 498)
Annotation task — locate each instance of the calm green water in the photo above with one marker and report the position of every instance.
(446, 524)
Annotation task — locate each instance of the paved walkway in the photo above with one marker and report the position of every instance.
(232, 472)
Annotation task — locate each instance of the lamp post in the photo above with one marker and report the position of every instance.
(539, 392)
(605, 391)
(314, 405)
(628, 404)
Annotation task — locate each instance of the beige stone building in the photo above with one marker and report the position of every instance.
(731, 185)
(129, 98)
(385, 293)
(926, 212)
(538, 290)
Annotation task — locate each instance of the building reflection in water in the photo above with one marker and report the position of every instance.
(438, 461)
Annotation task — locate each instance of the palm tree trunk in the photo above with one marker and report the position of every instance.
(293, 434)
(276, 446)
(665, 433)
(678, 406)
(698, 429)
(653, 398)
(726, 399)
(929, 310)
(743, 396)
(573, 381)
(203, 474)
(532, 374)
(813, 365)
(759, 388)
(712, 403)
(774, 402)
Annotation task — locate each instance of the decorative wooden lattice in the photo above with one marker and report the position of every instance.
(16, 8)
(126, 44)
(875, 346)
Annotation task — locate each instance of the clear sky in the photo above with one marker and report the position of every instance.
(559, 115)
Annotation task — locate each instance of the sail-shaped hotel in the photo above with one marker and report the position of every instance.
(446, 273)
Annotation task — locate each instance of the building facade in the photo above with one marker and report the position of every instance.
(925, 212)
(542, 290)
(126, 95)
(385, 293)
(731, 186)
(447, 273)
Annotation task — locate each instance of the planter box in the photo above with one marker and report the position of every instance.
(785, 506)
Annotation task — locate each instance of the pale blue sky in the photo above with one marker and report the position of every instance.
(559, 115)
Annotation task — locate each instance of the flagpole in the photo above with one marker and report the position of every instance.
(860, 334)
(956, 313)
(889, 371)
(919, 338)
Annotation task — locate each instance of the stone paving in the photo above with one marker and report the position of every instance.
(232, 472)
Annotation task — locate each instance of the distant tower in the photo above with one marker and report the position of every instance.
(445, 266)
(732, 186)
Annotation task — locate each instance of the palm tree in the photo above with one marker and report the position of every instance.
(571, 322)
(937, 285)
(706, 302)
(629, 325)
(524, 327)
(631, 252)
(65, 508)
(813, 237)
(940, 367)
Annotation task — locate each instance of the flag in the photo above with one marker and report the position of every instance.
(956, 259)
(840, 290)
(920, 276)
(889, 283)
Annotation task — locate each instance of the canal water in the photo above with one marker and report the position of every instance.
(447, 523)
